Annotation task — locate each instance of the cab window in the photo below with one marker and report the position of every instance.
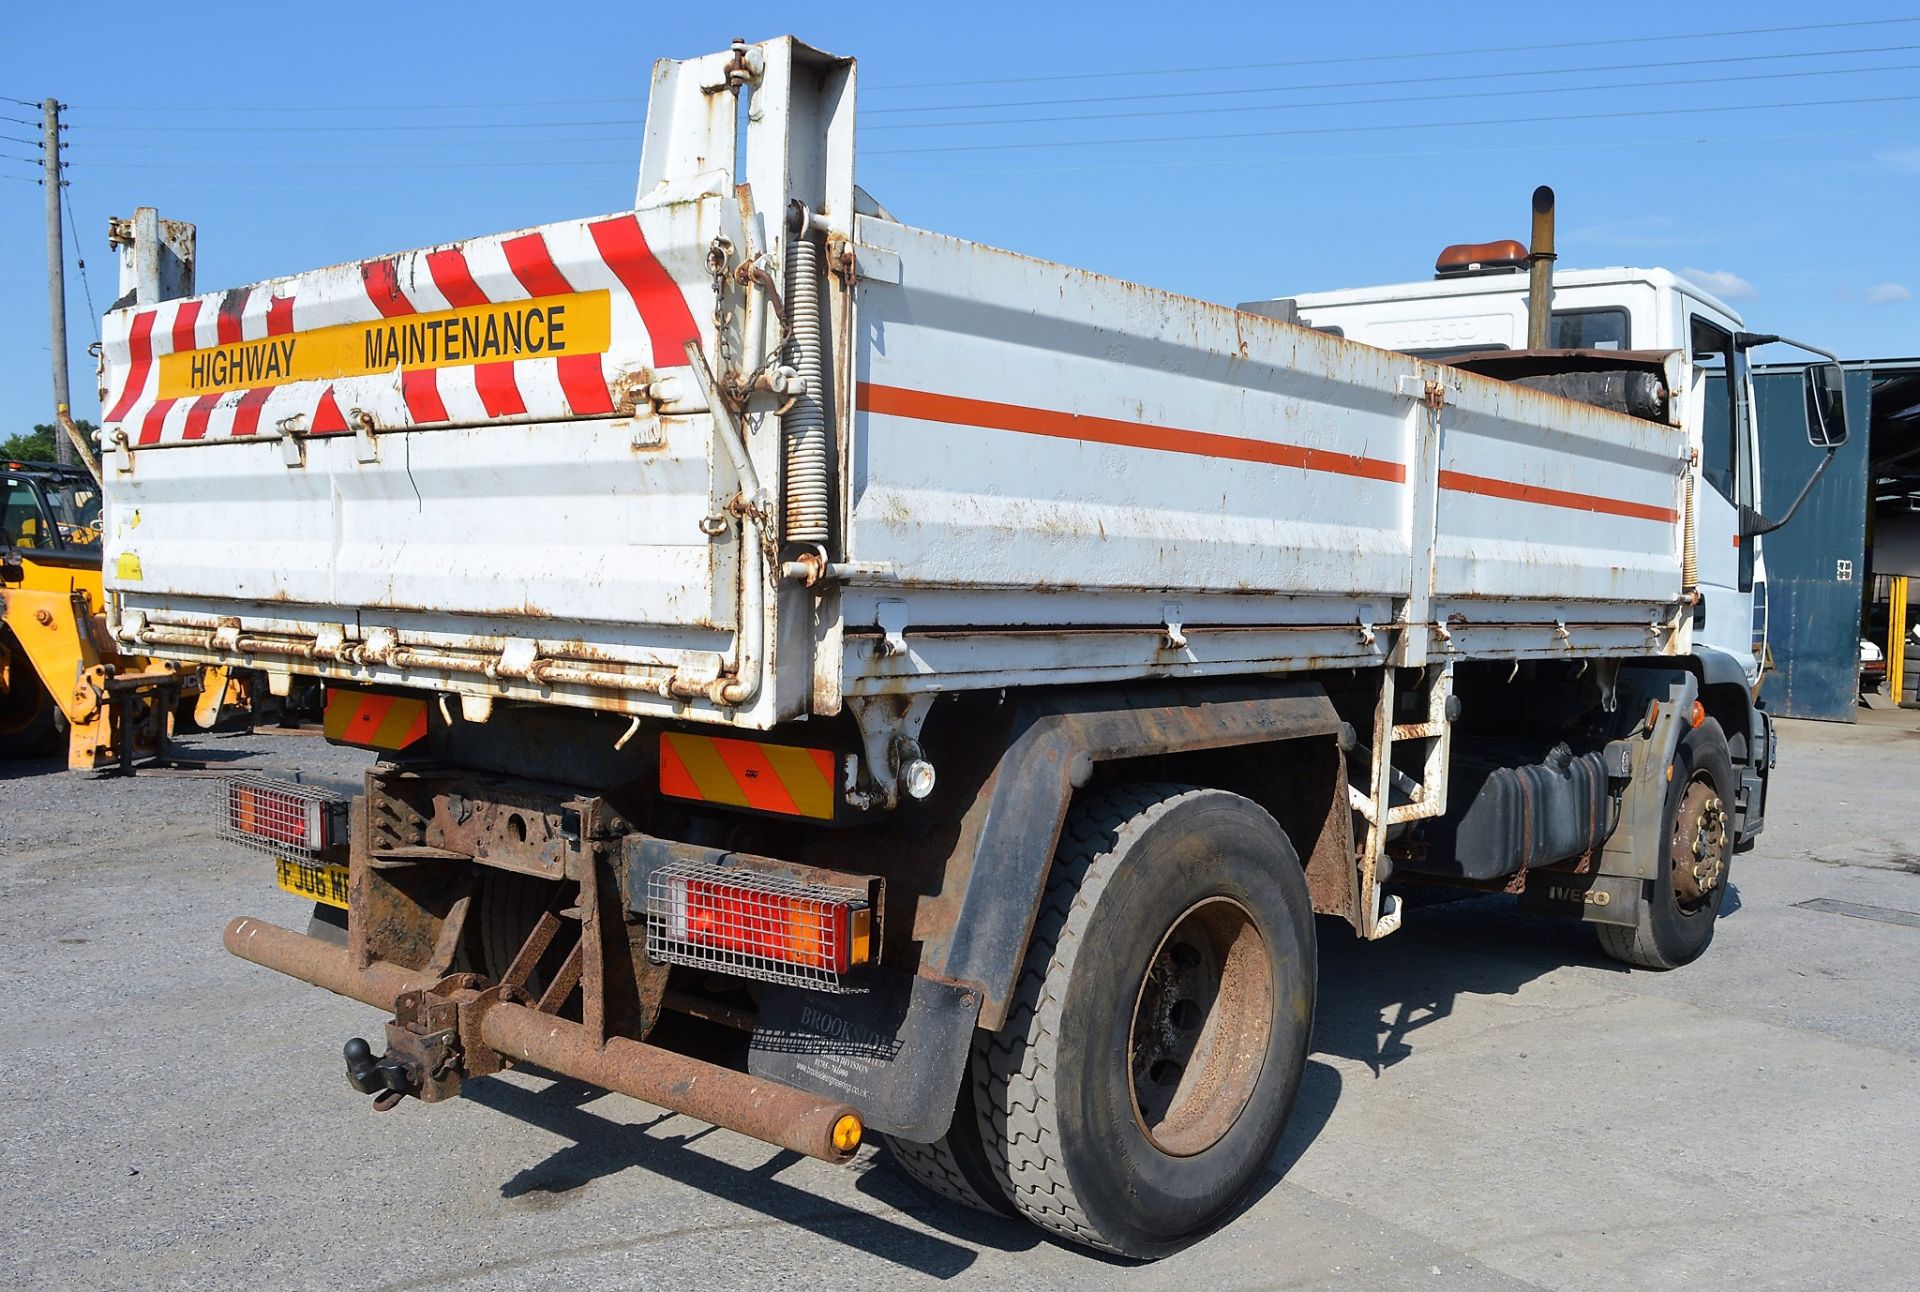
(76, 510)
(1589, 330)
(21, 522)
(1713, 360)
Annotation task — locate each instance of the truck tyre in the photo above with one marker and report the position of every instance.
(29, 719)
(955, 1166)
(1154, 1045)
(1684, 897)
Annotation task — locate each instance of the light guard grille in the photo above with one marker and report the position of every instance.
(283, 818)
(752, 924)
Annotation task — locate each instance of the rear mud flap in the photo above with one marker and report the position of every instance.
(896, 1051)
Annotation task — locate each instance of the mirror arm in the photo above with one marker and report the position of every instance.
(1754, 340)
(1753, 524)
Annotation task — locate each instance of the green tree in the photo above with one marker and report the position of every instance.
(36, 445)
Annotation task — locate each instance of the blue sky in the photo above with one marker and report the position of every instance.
(1223, 151)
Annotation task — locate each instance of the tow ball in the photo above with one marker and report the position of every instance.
(422, 1058)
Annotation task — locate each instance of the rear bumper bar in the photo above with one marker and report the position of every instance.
(766, 1110)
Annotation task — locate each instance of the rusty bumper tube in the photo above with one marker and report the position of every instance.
(320, 963)
(767, 1110)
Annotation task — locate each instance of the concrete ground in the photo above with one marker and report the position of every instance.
(1491, 1103)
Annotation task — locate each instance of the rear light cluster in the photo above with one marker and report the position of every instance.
(757, 925)
(284, 818)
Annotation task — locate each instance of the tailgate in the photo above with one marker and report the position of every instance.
(556, 322)
(485, 460)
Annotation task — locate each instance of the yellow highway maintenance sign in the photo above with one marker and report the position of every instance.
(544, 327)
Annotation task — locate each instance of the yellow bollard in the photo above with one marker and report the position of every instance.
(1897, 638)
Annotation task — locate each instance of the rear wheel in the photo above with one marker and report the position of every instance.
(1156, 1039)
(955, 1166)
(1684, 897)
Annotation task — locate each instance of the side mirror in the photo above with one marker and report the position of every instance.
(1826, 406)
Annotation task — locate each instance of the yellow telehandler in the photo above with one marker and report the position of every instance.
(59, 667)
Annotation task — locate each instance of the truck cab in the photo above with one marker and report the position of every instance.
(1477, 302)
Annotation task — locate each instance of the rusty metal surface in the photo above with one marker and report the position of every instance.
(765, 1109)
(321, 963)
(977, 898)
(433, 1014)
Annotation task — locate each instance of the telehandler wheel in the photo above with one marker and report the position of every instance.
(29, 719)
(955, 1166)
(1684, 897)
(1156, 1038)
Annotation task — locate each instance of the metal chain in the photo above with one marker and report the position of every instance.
(719, 259)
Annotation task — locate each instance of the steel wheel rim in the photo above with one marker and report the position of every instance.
(1697, 853)
(1202, 1024)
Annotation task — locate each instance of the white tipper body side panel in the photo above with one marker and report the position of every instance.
(1043, 476)
(1489, 311)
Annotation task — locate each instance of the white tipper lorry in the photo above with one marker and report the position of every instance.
(835, 679)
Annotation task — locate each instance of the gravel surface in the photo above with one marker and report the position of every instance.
(1491, 1104)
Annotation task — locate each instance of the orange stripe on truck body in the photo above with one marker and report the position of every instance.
(960, 410)
(785, 780)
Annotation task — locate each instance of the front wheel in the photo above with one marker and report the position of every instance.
(29, 719)
(1155, 1042)
(1690, 883)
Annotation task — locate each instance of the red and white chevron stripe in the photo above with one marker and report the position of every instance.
(651, 263)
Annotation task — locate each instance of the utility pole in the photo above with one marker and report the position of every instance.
(56, 286)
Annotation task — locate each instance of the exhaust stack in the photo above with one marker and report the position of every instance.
(1540, 258)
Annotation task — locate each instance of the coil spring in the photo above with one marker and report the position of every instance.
(804, 436)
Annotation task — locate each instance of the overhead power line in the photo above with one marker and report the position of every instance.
(1663, 39)
(364, 145)
(361, 145)
(86, 285)
(147, 109)
(1405, 125)
(259, 110)
(1025, 145)
(360, 166)
(425, 128)
(1395, 80)
(893, 168)
(409, 128)
(1187, 162)
(1407, 98)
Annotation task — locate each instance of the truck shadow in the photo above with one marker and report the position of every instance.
(601, 1147)
(1374, 997)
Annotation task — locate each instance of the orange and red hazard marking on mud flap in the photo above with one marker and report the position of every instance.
(374, 721)
(784, 779)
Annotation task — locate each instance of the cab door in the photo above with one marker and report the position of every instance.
(1723, 485)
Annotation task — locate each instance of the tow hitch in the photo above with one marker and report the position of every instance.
(464, 1025)
(422, 1058)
